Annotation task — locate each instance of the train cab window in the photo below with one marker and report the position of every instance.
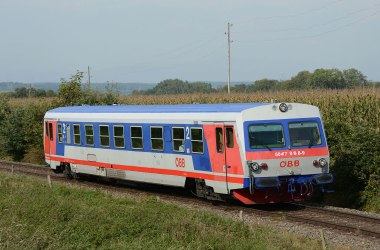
(197, 140)
(136, 137)
(230, 137)
(178, 139)
(156, 138)
(60, 134)
(118, 136)
(77, 134)
(68, 134)
(51, 131)
(89, 133)
(219, 140)
(104, 135)
(266, 136)
(304, 134)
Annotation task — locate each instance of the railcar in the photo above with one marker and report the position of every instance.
(255, 152)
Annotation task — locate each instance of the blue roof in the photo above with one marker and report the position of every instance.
(176, 108)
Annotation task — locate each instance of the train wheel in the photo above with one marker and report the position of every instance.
(67, 171)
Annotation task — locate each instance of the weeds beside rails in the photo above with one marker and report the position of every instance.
(35, 216)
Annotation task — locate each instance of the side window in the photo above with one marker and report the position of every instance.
(51, 131)
(89, 130)
(178, 139)
(197, 140)
(118, 136)
(76, 134)
(68, 134)
(104, 135)
(219, 140)
(46, 128)
(230, 137)
(60, 134)
(136, 138)
(156, 138)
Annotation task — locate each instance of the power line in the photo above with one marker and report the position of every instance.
(347, 15)
(314, 35)
(296, 14)
(174, 53)
(229, 25)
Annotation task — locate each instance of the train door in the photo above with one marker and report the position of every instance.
(232, 160)
(49, 140)
(226, 152)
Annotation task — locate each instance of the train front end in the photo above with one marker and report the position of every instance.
(286, 154)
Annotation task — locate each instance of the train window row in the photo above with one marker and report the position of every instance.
(136, 137)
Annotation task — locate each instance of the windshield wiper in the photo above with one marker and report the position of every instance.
(262, 144)
(267, 147)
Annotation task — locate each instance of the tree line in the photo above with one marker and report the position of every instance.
(319, 79)
(24, 92)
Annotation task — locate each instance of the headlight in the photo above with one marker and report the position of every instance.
(283, 107)
(322, 162)
(254, 166)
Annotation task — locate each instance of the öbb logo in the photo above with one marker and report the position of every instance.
(180, 162)
(290, 164)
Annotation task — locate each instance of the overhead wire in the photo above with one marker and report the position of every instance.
(347, 15)
(295, 14)
(314, 35)
(172, 54)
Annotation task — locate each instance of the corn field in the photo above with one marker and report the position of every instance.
(356, 107)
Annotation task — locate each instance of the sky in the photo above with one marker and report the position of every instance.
(152, 40)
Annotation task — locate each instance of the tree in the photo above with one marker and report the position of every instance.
(12, 134)
(240, 88)
(111, 95)
(21, 92)
(327, 79)
(265, 85)
(70, 92)
(50, 93)
(354, 78)
(201, 87)
(299, 81)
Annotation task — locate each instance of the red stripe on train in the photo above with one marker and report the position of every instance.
(298, 153)
(239, 180)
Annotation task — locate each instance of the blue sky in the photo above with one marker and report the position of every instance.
(149, 41)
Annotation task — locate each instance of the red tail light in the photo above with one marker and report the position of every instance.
(264, 166)
(315, 163)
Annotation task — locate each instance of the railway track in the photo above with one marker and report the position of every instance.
(358, 224)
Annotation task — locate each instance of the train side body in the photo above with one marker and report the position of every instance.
(215, 146)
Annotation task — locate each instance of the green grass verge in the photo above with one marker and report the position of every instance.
(34, 216)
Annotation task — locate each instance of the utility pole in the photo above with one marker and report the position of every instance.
(29, 90)
(89, 78)
(229, 56)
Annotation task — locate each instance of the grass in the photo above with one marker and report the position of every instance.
(35, 216)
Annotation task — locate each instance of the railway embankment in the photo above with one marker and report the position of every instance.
(64, 214)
